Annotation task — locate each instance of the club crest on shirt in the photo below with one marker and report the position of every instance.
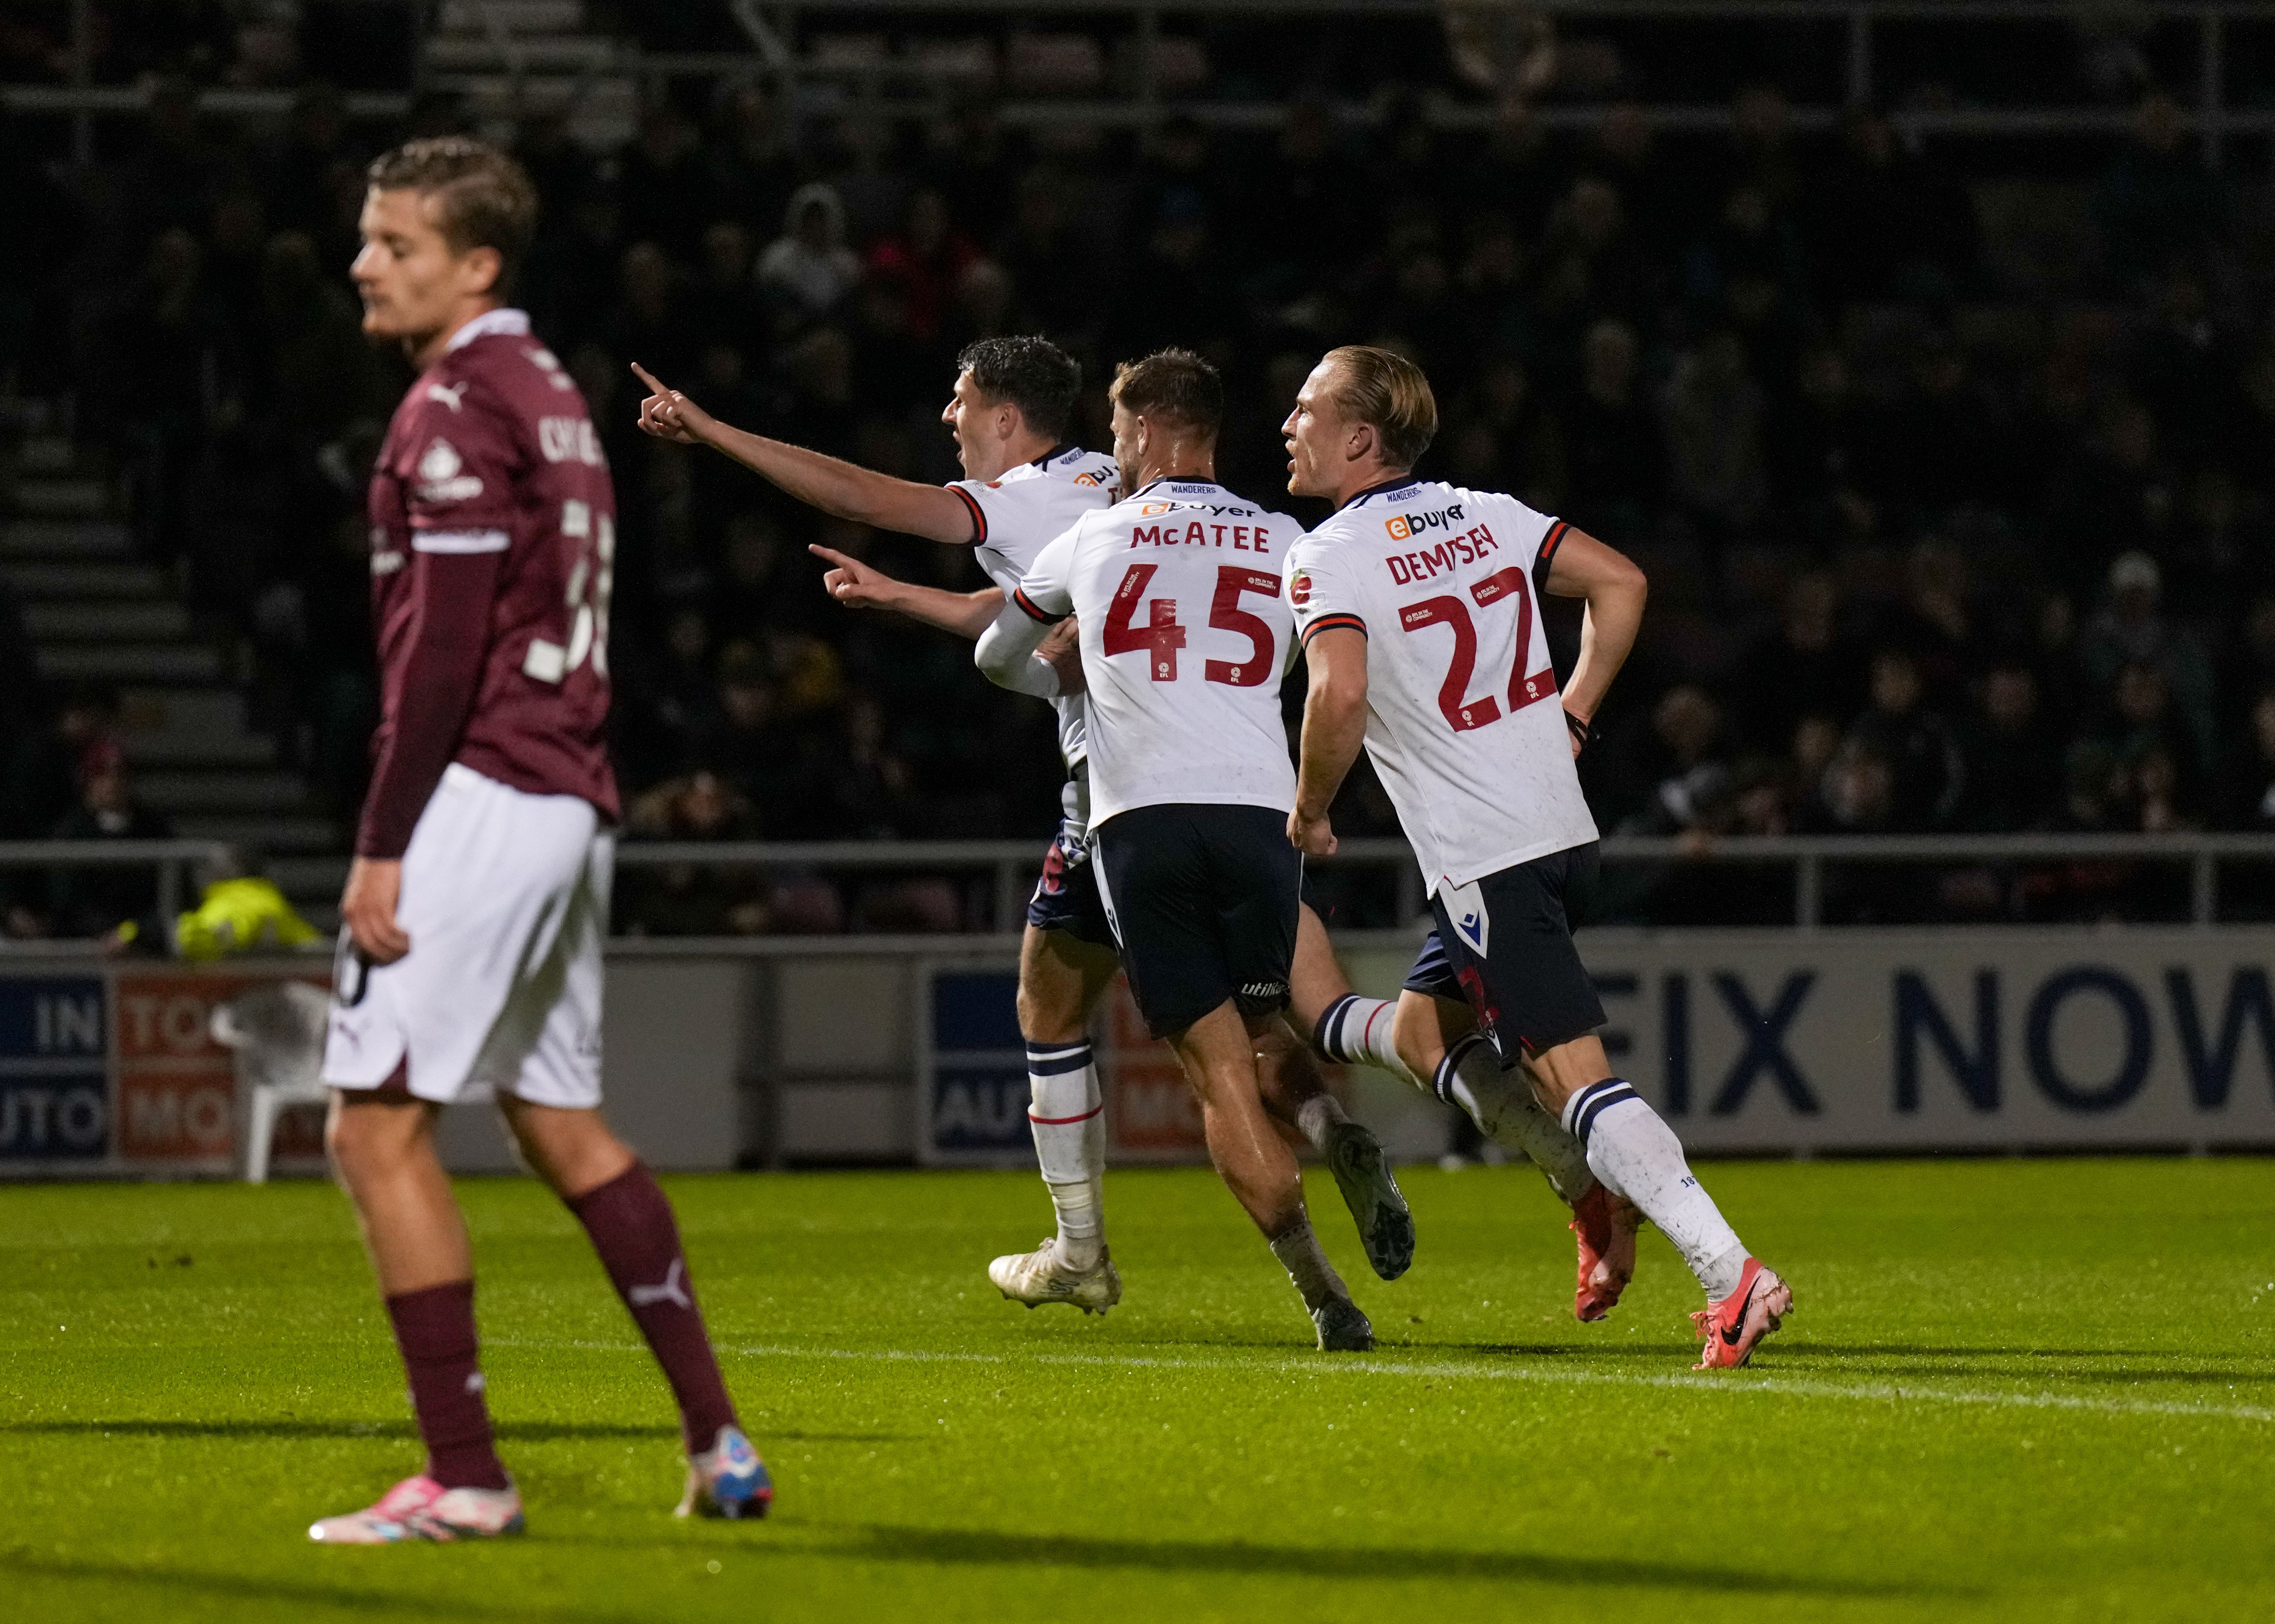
(439, 476)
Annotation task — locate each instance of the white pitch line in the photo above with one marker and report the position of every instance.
(1716, 1385)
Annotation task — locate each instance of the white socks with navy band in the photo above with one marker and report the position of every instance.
(1356, 1031)
(1500, 1103)
(1067, 1118)
(1639, 1159)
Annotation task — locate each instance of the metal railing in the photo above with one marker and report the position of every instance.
(172, 859)
(1011, 865)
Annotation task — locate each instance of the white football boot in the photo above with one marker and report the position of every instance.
(1039, 1276)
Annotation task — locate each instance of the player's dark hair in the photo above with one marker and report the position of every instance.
(485, 198)
(1174, 385)
(1032, 373)
(1389, 394)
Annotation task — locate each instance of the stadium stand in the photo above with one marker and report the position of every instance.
(1944, 445)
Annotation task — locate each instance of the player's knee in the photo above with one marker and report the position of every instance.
(369, 1137)
(574, 1150)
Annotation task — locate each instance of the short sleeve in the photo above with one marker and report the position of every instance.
(1550, 541)
(462, 456)
(1320, 594)
(1045, 592)
(993, 506)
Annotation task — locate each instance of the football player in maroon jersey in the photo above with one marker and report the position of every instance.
(479, 895)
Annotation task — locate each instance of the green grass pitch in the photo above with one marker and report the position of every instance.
(2012, 1390)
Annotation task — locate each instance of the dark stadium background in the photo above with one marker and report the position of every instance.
(1929, 374)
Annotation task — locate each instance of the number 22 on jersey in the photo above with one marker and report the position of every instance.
(1460, 710)
(1161, 635)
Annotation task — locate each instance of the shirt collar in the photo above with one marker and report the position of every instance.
(1398, 484)
(1173, 479)
(509, 323)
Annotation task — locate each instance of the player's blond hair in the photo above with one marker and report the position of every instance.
(484, 199)
(1388, 393)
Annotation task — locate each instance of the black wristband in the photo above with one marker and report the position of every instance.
(1579, 729)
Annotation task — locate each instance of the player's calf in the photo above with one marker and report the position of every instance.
(1294, 1091)
(1067, 1118)
(1637, 1157)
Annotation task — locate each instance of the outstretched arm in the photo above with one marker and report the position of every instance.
(1335, 725)
(840, 488)
(1615, 588)
(857, 586)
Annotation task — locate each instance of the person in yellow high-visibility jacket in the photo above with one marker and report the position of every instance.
(244, 915)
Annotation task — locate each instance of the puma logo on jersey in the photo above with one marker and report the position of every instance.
(449, 394)
(1407, 526)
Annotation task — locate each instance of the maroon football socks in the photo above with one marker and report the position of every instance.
(631, 1223)
(435, 1328)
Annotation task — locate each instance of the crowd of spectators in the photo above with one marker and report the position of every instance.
(1933, 547)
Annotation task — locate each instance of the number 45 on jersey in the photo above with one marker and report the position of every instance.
(1162, 635)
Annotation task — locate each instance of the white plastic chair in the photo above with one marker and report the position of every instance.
(276, 1037)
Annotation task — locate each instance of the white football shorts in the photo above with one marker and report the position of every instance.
(506, 899)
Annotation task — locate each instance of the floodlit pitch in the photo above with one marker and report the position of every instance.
(2016, 1390)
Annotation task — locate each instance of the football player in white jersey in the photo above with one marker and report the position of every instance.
(1185, 637)
(1013, 401)
(1417, 604)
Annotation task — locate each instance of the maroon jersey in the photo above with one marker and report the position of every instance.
(493, 452)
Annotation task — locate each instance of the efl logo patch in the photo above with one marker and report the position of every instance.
(1299, 589)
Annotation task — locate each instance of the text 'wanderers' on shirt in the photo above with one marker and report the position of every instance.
(492, 451)
(1013, 517)
(1463, 719)
(1184, 638)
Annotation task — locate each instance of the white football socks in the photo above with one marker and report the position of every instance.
(1356, 1031)
(1298, 1251)
(1067, 1119)
(1500, 1103)
(1638, 1158)
(1318, 1116)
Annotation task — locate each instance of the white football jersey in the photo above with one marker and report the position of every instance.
(1463, 722)
(1185, 635)
(1015, 516)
